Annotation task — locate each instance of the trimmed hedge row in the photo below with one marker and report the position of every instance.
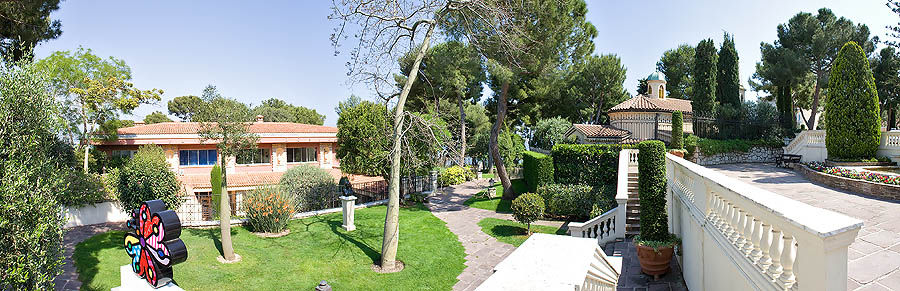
(594, 164)
(575, 201)
(652, 186)
(537, 169)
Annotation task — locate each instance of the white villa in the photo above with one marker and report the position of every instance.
(643, 117)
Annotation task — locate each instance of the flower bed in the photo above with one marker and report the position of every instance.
(854, 174)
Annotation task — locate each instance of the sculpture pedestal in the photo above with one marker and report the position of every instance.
(131, 281)
(348, 204)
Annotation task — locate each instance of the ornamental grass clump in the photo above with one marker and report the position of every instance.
(528, 208)
(268, 209)
(652, 186)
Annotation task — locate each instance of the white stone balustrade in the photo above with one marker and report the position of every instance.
(810, 144)
(739, 237)
(611, 224)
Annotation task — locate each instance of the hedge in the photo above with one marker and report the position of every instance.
(718, 146)
(537, 169)
(677, 130)
(576, 201)
(652, 186)
(853, 116)
(594, 164)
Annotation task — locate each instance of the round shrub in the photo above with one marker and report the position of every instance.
(852, 111)
(652, 186)
(527, 208)
(309, 188)
(147, 177)
(677, 130)
(268, 209)
(453, 176)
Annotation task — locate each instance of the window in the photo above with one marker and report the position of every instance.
(122, 153)
(257, 156)
(197, 157)
(301, 155)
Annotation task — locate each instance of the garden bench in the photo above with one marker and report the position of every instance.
(785, 159)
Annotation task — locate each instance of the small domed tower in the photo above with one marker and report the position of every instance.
(656, 85)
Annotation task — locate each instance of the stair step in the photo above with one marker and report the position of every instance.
(630, 234)
(631, 220)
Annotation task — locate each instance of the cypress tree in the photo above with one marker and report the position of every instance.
(705, 79)
(853, 114)
(677, 130)
(728, 77)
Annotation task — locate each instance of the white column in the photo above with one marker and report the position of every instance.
(349, 209)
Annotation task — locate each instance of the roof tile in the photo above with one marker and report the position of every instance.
(257, 127)
(644, 103)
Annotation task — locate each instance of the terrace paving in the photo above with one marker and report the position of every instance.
(874, 258)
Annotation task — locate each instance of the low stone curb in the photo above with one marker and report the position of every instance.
(879, 190)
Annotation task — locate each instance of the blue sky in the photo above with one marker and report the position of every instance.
(281, 49)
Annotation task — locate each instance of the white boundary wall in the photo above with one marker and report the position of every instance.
(103, 212)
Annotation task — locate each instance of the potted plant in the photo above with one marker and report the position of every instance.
(655, 245)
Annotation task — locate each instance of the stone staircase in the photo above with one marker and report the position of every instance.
(633, 205)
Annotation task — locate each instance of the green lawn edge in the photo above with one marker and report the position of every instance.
(495, 203)
(316, 249)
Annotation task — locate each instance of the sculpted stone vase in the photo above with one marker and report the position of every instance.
(654, 263)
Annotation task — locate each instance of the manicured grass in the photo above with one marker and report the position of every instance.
(316, 249)
(495, 203)
(487, 175)
(512, 232)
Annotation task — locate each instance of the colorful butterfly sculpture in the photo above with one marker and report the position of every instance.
(154, 246)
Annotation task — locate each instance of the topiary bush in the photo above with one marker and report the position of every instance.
(677, 130)
(852, 110)
(652, 186)
(528, 208)
(593, 165)
(537, 169)
(453, 176)
(310, 188)
(268, 209)
(147, 177)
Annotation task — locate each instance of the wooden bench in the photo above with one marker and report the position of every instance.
(785, 160)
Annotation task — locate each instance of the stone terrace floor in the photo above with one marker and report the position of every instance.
(874, 258)
(632, 279)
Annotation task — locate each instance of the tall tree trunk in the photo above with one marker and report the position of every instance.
(814, 109)
(462, 132)
(892, 118)
(392, 217)
(225, 214)
(87, 137)
(508, 192)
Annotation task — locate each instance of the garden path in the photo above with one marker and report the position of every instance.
(483, 252)
(68, 279)
(874, 258)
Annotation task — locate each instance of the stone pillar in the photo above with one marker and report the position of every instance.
(349, 209)
(434, 176)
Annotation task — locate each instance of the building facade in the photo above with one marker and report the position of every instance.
(642, 117)
(281, 146)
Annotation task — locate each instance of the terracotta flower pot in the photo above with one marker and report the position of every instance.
(654, 263)
(680, 154)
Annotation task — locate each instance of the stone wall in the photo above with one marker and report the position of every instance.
(857, 186)
(754, 155)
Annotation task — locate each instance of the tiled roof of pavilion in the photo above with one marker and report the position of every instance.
(599, 131)
(642, 103)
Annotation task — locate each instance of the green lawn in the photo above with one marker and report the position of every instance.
(495, 203)
(316, 249)
(487, 175)
(512, 232)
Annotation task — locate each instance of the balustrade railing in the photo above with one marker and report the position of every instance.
(773, 242)
(602, 227)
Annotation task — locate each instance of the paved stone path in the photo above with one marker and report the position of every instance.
(68, 280)
(631, 278)
(874, 258)
(483, 251)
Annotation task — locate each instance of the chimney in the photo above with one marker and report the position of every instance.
(259, 118)
(139, 122)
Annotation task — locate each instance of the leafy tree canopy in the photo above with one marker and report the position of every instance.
(704, 87)
(24, 24)
(678, 66)
(277, 110)
(886, 71)
(596, 85)
(156, 117)
(185, 107)
(728, 76)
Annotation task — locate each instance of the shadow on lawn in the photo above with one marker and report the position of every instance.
(213, 234)
(87, 252)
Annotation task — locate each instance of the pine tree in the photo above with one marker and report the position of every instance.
(853, 115)
(705, 79)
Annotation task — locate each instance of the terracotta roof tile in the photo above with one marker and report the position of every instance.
(644, 103)
(257, 127)
(595, 130)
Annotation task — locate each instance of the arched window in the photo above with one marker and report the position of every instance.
(662, 91)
